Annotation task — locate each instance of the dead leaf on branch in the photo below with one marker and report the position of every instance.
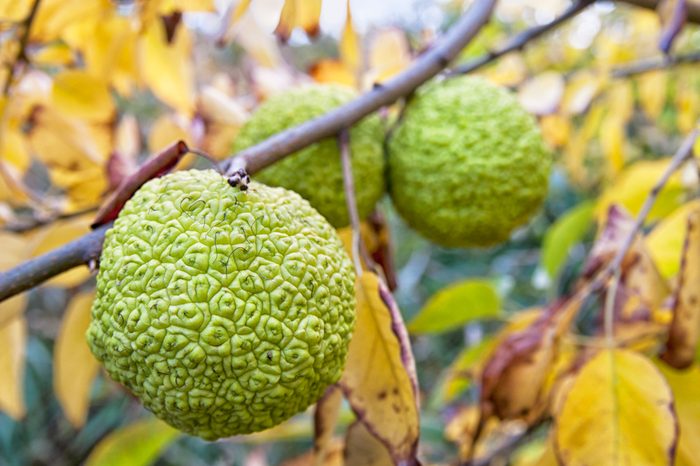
(685, 327)
(362, 448)
(299, 13)
(512, 381)
(379, 379)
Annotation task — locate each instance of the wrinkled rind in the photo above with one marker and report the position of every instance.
(316, 172)
(467, 164)
(225, 312)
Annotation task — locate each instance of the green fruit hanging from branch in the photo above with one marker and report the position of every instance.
(467, 164)
(315, 172)
(226, 311)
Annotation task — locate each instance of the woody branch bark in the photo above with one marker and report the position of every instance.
(255, 158)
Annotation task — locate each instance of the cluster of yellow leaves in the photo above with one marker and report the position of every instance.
(611, 403)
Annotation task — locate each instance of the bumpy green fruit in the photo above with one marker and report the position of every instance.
(316, 171)
(224, 311)
(467, 164)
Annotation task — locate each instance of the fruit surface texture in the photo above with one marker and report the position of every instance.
(467, 165)
(225, 311)
(316, 171)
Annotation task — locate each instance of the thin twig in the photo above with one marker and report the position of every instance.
(21, 56)
(255, 158)
(349, 187)
(654, 64)
(692, 8)
(613, 270)
(38, 222)
(520, 40)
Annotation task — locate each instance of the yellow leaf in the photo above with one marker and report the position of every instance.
(349, 43)
(299, 13)
(15, 251)
(14, 10)
(166, 130)
(541, 94)
(652, 92)
(333, 71)
(58, 234)
(79, 94)
(619, 411)
(13, 149)
(167, 68)
(612, 139)
(168, 6)
(216, 106)
(379, 374)
(137, 444)
(109, 50)
(684, 385)
(684, 332)
(582, 87)
(631, 187)
(13, 335)
(241, 8)
(363, 449)
(59, 141)
(55, 18)
(556, 129)
(389, 54)
(576, 149)
(509, 71)
(687, 100)
(55, 54)
(666, 240)
(127, 138)
(74, 365)
(258, 42)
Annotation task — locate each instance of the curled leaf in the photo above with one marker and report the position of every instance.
(684, 333)
(299, 13)
(379, 379)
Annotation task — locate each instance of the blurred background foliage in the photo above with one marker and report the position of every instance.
(100, 85)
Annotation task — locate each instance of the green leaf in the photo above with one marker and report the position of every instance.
(138, 444)
(565, 233)
(456, 305)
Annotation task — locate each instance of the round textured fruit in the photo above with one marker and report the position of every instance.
(224, 311)
(467, 164)
(316, 171)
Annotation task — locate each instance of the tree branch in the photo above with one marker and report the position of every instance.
(255, 158)
(653, 64)
(692, 7)
(21, 56)
(520, 40)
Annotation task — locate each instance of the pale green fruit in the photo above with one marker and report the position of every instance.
(225, 311)
(316, 171)
(467, 164)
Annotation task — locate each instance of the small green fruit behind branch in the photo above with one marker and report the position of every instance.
(467, 164)
(315, 172)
